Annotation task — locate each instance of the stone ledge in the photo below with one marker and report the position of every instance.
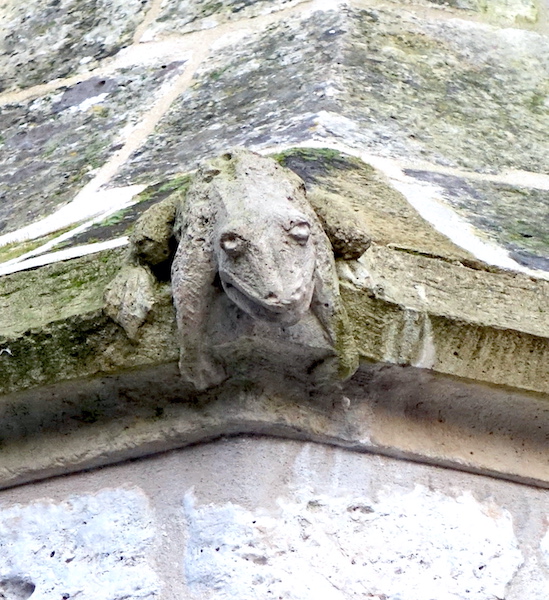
(124, 399)
(489, 327)
(391, 410)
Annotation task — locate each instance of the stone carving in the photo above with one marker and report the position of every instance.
(253, 276)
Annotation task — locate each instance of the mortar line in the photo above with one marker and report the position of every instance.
(196, 39)
(149, 18)
(161, 106)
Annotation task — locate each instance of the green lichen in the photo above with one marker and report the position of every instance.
(216, 75)
(16, 249)
(312, 164)
(159, 191)
(113, 219)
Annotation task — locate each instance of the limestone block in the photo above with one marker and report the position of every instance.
(298, 520)
(400, 546)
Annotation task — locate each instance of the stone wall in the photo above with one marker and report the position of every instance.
(425, 121)
(260, 518)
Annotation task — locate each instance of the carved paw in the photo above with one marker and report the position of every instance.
(202, 373)
(130, 297)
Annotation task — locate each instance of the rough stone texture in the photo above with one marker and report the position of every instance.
(438, 315)
(313, 521)
(393, 410)
(42, 40)
(53, 145)
(346, 192)
(250, 93)
(130, 297)
(352, 547)
(246, 222)
(508, 11)
(401, 82)
(514, 216)
(69, 336)
(465, 94)
(32, 299)
(88, 546)
(183, 16)
(448, 105)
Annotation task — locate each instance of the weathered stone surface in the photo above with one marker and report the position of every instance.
(68, 335)
(356, 201)
(415, 298)
(512, 12)
(52, 146)
(513, 216)
(457, 346)
(89, 546)
(351, 547)
(248, 94)
(393, 410)
(410, 307)
(443, 288)
(130, 297)
(246, 222)
(183, 16)
(31, 300)
(152, 233)
(463, 94)
(42, 40)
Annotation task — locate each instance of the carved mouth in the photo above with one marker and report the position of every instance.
(287, 313)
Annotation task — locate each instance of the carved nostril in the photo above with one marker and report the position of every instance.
(271, 296)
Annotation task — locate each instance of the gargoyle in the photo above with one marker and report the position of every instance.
(253, 276)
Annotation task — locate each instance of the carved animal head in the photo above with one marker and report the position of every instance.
(268, 270)
(265, 239)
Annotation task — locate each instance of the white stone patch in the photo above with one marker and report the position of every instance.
(544, 546)
(427, 351)
(89, 102)
(91, 547)
(90, 202)
(426, 199)
(354, 272)
(153, 53)
(68, 253)
(414, 545)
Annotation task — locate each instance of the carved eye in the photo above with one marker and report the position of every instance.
(232, 244)
(300, 232)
